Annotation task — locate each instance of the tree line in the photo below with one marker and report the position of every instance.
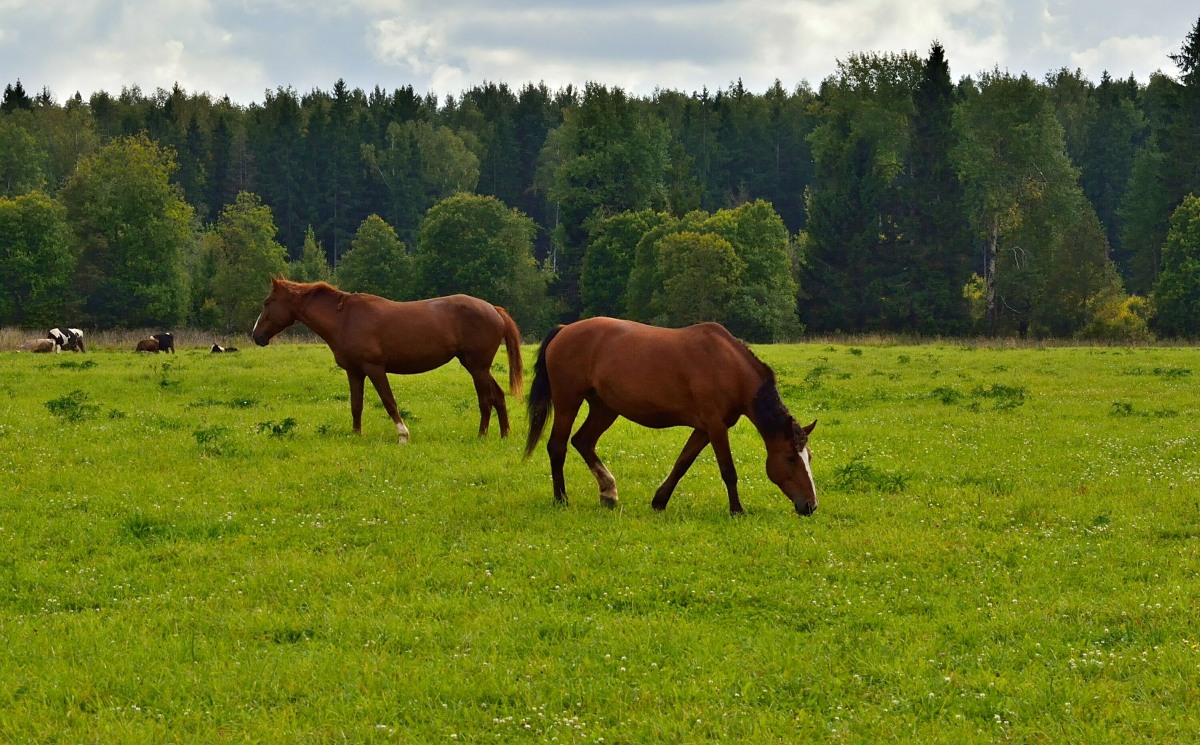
(891, 198)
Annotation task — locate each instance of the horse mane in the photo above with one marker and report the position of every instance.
(770, 412)
(305, 289)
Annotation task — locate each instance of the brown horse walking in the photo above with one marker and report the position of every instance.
(372, 336)
(699, 377)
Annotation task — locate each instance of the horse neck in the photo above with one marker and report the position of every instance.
(766, 409)
(318, 310)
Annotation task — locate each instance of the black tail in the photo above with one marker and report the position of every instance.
(539, 394)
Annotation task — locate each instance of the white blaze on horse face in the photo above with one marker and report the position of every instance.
(806, 459)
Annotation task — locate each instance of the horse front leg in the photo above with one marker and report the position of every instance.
(356, 379)
(720, 443)
(379, 379)
(695, 443)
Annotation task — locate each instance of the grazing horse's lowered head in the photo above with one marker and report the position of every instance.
(789, 463)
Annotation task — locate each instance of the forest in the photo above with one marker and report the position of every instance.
(889, 199)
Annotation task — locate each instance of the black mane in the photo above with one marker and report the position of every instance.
(770, 413)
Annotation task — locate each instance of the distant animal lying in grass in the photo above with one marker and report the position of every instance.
(41, 346)
(217, 349)
(147, 345)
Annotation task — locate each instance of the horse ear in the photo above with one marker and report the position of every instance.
(808, 430)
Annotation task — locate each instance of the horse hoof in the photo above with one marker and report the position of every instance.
(658, 507)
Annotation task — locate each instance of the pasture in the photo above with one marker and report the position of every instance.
(196, 548)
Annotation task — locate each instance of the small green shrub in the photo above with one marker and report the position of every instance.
(73, 407)
(277, 429)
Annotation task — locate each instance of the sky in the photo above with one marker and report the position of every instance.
(244, 48)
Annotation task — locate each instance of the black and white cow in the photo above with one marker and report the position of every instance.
(166, 341)
(217, 349)
(68, 339)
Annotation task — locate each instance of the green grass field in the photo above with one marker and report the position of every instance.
(196, 549)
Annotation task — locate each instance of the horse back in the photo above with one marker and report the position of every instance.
(419, 335)
(655, 376)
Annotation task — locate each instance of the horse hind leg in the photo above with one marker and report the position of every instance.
(599, 419)
(501, 406)
(556, 445)
(490, 396)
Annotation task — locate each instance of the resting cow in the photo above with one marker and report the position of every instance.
(41, 346)
(217, 349)
(147, 345)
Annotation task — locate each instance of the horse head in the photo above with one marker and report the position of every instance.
(789, 465)
(278, 312)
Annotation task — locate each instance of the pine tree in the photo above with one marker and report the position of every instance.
(938, 251)
(311, 265)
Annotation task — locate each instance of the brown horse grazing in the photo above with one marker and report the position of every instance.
(372, 336)
(699, 377)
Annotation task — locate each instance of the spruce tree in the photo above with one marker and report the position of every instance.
(937, 261)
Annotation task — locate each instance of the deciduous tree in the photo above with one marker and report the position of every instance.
(478, 246)
(133, 227)
(247, 257)
(378, 263)
(37, 258)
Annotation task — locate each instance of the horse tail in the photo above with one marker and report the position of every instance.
(539, 394)
(512, 345)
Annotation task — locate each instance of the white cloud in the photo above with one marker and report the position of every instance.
(414, 45)
(245, 47)
(1122, 56)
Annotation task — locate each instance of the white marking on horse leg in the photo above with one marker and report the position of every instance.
(608, 485)
(402, 431)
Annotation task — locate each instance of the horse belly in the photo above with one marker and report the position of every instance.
(411, 365)
(649, 406)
